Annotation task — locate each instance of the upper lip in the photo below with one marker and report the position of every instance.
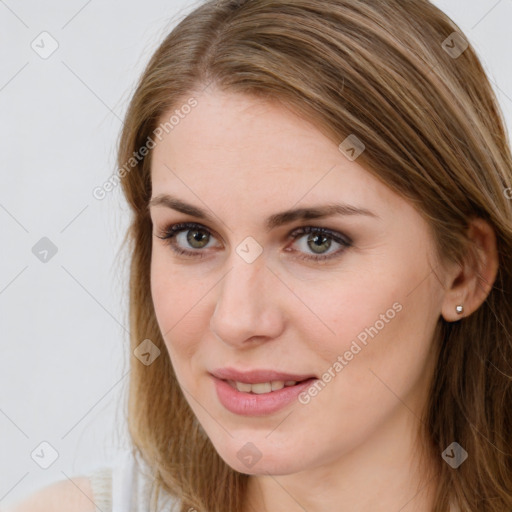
(257, 376)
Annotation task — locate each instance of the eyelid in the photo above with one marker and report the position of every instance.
(303, 229)
(344, 238)
(171, 231)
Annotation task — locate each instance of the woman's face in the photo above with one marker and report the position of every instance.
(248, 294)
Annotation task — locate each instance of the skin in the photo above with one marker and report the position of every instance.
(353, 446)
(75, 495)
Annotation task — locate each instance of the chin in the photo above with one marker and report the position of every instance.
(258, 457)
(263, 467)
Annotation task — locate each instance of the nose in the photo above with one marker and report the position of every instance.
(247, 305)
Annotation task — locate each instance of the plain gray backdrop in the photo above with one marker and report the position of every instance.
(63, 289)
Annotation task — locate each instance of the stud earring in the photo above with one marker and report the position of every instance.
(459, 309)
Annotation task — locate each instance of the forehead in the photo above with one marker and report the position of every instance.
(234, 126)
(257, 150)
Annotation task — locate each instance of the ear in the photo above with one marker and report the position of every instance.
(469, 285)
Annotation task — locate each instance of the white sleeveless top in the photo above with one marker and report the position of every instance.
(128, 487)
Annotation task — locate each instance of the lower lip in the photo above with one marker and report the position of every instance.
(252, 404)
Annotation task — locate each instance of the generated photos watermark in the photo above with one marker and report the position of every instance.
(343, 360)
(100, 192)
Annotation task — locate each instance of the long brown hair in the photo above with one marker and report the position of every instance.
(394, 74)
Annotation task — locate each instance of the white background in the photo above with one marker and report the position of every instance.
(64, 323)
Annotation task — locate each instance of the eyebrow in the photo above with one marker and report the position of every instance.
(278, 219)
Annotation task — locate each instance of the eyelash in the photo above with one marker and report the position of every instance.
(169, 233)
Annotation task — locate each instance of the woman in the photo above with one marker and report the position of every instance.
(321, 265)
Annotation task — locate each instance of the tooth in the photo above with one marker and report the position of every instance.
(243, 386)
(263, 387)
(277, 384)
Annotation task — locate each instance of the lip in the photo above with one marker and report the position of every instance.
(257, 376)
(252, 404)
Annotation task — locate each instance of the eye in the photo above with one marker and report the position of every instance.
(320, 240)
(197, 237)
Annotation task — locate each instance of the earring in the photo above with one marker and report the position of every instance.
(459, 309)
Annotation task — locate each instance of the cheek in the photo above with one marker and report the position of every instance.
(351, 308)
(382, 322)
(179, 306)
(395, 293)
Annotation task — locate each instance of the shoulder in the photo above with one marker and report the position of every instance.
(127, 485)
(74, 495)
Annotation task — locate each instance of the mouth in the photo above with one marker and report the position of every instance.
(258, 392)
(259, 381)
(261, 388)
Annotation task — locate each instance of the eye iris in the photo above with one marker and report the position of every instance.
(315, 238)
(192, 238)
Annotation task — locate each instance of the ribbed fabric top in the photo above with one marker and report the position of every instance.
(128, 487)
